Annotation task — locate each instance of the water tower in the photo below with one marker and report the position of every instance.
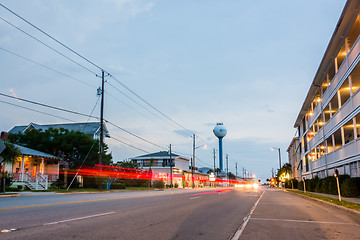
(220, 132)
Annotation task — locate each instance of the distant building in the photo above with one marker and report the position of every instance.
(91, 129)
(294, 158)
(160, 164)
(329, 119)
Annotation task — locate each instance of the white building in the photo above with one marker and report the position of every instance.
(329, 119)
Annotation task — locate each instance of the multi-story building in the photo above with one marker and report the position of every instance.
(329, 119)
(294, 158)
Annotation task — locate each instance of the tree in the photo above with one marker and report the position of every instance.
(72, 146)
(232, 176)
(210, 171)
(217, 171)
(8, 155)
(127, 164)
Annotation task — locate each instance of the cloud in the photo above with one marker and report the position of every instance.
(134, 7)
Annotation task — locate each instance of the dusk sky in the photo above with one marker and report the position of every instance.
(248, 64)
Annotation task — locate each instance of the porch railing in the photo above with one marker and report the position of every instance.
(39, 182)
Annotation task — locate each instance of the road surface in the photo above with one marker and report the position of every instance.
(174, 214)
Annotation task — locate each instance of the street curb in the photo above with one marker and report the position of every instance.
(9, 195)
(329, 203)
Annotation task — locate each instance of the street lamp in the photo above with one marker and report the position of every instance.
(273, 149)
(193, 161)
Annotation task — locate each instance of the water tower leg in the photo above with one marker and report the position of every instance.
(220, 154)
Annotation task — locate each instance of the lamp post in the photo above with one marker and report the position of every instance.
(193, 161)
(336, 175)
(273, 149)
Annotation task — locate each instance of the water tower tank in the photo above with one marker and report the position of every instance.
(220, 130)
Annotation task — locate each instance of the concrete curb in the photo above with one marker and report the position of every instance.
(328, 203)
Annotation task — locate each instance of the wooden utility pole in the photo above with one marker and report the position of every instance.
(101, 118)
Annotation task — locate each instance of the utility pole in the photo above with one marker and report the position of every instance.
(171, 169)
(227, 169)
(236, 170)
(193, 164)
(101, 118)
(214, 159)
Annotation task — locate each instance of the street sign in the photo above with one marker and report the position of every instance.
(2, 146)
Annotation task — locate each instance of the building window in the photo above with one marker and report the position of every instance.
(354, 33)
(348, 130)
(344, 92)
(334, 104)
(338, 139)
(355, 78)
(340, 57)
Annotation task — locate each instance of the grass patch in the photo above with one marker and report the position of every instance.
(343, 203)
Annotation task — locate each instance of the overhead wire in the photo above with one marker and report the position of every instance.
(48, 35)
(129, 145)
(81, 114)
(44, 66)
(48, 106)
(150, 105)
(12, 104)
(90, 62)
(48, 46)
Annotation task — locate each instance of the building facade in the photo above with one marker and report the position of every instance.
(160, 163)
(294, 158)
(329, 120)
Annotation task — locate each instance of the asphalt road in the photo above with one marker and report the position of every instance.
(177, 214)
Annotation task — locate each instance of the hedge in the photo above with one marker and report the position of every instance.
(349, 187)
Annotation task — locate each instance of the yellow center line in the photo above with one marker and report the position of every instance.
(84, 201)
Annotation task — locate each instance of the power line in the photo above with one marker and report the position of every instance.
(81, 114)
(150, 105)
(12, 104)
(129, 145)
(48, 106)
(48, 35)
(84, 58)
(134, 135)
(132, 142)
(47, 45)
(47, 67)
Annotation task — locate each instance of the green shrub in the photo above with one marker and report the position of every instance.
(324, 187)
(119, 185)
(176, 185)
(350, 187)
(8, 177)
(159, 184)
(300, 186)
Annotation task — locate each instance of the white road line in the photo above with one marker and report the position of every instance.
(195, 197)
(303, 221)
(80, 218)
(238, 233)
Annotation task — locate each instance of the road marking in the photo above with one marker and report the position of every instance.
(303, 221)
(195, 197)
(107, 199)
(238, 233)
(84, 201)
(79, 218)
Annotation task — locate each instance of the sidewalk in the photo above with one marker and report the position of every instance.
(353, 200)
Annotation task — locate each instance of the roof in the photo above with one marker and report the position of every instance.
(342, 27)
(293, 141)
(32, 152)
(89, 128)
(158, 155)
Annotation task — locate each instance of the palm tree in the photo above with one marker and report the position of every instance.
(217, 171)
